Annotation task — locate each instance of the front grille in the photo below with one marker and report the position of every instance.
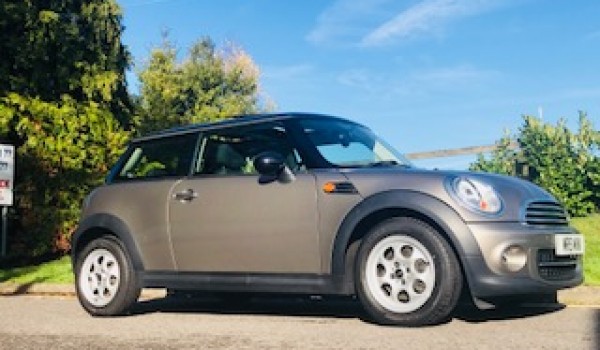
(545, 213)
(556, 268)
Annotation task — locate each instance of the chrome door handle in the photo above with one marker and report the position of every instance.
(186, 195)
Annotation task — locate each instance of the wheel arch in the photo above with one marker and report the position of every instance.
(98, 225)
(399, 203)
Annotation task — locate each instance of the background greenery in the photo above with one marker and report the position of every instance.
(590, 228)
(64, 105)
(207, 85)
(565, 163)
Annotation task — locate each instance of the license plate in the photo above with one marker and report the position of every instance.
(569, 244)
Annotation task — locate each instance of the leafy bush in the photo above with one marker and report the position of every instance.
(54, 47)
(63, 150)
(208, 85)
(566, 164)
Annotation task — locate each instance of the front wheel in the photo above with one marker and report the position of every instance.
(105, 279)
(407, 274)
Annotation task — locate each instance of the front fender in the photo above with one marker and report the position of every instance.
(106, 223)
(422, 204)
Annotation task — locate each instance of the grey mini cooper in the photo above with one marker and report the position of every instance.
(312, 204)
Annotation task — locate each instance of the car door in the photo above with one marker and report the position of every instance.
(223, 219)
(140, 189)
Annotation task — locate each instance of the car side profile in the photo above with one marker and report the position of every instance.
(313, 204)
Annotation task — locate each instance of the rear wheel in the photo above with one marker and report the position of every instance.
(407, 274)
(105, 279)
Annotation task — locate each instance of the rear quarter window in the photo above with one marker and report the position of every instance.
(156, 158)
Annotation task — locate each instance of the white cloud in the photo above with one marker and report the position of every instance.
(451, 76)
(380, 22)
(425, 17)
(287, 72)
(346, 20)
(418, 82)
(360, 78)
(579, 92)
(593, 35)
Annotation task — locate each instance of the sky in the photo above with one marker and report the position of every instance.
(423, 74)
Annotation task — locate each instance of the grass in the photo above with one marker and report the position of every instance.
(590, 228)
(56, 271)
(59, 271)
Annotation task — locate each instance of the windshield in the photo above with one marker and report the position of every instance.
(345, 144)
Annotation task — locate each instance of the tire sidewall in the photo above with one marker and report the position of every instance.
(448, 280)
(128, 286)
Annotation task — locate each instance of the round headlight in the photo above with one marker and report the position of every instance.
(477, 196)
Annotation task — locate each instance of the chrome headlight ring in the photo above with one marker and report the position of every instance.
(475, 195)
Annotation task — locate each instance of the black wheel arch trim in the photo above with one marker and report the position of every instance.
(112, 224)
(446, 218)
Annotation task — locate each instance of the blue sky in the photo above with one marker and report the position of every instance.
(424, 74)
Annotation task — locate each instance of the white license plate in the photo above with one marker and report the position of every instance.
(569, 244)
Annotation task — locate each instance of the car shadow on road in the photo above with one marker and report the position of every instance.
(322, 307)
(337, 307)
(471, 314)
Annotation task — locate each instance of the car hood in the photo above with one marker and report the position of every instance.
(515, 193)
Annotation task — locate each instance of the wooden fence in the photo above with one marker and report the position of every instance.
(455, 152)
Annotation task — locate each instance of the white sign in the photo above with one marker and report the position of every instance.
(7, 174)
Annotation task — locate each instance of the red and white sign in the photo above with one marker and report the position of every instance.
(7, 174)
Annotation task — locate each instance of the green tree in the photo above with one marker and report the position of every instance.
(55, 47)
(566, 164)
(208, 85)
(502, 160)
(66, 150)
(63, 102)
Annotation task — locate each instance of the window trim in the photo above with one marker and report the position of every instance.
(198, 157)
(313, 158)
(114, 176)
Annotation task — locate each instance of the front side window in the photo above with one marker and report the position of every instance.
(157, 158)
(346, 144)
(232, 151)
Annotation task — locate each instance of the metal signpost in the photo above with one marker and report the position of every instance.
(7, 175)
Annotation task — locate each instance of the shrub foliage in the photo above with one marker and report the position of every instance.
(565, 163)
(64, 151)
(62, 90)
(64, 105)
(208, 85)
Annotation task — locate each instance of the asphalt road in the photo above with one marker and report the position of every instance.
(30, 322)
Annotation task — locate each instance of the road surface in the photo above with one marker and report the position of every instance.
(30, 322)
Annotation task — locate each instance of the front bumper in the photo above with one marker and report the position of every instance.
(543, 271)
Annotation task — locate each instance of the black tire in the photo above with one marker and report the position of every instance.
(124, 289)
(438, 296)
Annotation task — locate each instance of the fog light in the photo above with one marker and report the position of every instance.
(514, 258)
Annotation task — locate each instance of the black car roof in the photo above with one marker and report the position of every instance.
(234, 121)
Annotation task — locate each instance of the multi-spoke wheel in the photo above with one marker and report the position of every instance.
(100, 277)
(105, 280)
(407, 274)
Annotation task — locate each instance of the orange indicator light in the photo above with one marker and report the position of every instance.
(329, 187)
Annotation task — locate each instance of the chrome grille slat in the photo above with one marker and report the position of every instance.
(558, 264)
(546, 221)
(545, 213)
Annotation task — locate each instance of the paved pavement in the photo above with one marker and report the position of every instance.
(582, 295)
(58, 322)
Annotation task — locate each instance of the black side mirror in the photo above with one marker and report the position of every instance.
(271, 166)
(269, 163)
